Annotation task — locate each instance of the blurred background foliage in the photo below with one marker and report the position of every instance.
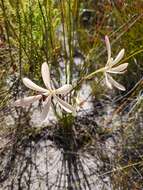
(53, 31)
(58, 31)
(35, 29)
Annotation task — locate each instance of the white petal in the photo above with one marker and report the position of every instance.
(67, 107)
(118, 57)
(46, 108)
(107, 81)
(46, 75)
(108, 46)
(64, 89)
(116, 84)
(119, 69)
(27, 100)
(33, 86)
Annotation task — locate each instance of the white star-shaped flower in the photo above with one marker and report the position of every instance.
(49, 93)
(110, 67)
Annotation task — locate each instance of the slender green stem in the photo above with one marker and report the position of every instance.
(6, 22)
(87, 77)
(69, 29)
(94, 73)
(46, 32)
(20, 36)
(62, 11)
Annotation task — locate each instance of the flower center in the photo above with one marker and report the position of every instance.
(52, 92)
